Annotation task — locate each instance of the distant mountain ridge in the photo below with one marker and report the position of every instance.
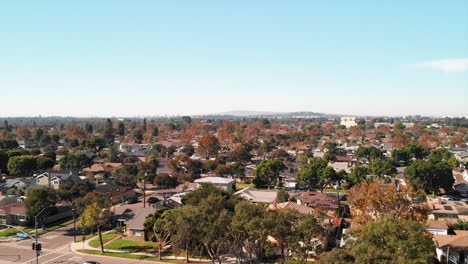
(247, 113)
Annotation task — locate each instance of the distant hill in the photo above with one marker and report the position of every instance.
(246, 113)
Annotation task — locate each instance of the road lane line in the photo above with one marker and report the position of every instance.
(52, 252)
(57, 257)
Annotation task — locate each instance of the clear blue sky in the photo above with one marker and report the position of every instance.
(129, 58)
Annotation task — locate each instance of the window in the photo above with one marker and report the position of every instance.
(136, 232)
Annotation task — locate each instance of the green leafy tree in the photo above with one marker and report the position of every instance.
(307, 238)
(249, 235)
(316, 174)
(95, 216)
(164, 228)
(282, 196)
(38, 200)
(430, 176)
(75, 162)
(388, 241)
(357, 175)
(165, 180)
(22, 165)
(3, 161)
(44, 163)
(381, 168)
(267, 172)
(7, 143)
(370, 153)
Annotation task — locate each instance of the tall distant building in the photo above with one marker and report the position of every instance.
(348, 121)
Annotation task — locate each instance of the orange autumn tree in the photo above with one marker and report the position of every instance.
(378, 200)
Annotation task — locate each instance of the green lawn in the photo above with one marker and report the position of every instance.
(88, 237)
(292, 261)
(95, 243)
(130, 256)
(243, 185)
(133, 246)
(31, 231)
(12, 231)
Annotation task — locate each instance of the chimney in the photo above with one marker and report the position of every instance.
(440, 201)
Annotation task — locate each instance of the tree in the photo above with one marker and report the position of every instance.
(44, 163)
(431, 176)
(22, 165)
(3, 161)
(93, 197)
(38, 200)
(109, 132)
(164, 228)
(165, 180)
(370, 153)
(307, 238)
(95, 216)
(461, 225)
(336, 256)
(381, 168)
(75, 162)
(208, 145)
(214, 216)
(388, 241)
(267, 172)
(316, 174)
(357, 175)
(282, 196)
(375, 201)
(281, 227)
(248, 232)
(241, 153)
(6, 143)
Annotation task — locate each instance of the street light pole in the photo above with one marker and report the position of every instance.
(35, 227)
(74, 225)
(144, 190)
(35, 237)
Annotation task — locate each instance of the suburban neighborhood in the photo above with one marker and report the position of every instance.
(230, 190)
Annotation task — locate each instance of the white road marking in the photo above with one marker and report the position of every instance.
(57, 257)
(52, 252)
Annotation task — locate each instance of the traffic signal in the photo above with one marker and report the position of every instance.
(37, 246)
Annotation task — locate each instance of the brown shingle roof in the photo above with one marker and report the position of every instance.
(439, 224)
(302, 209)
(459, 240)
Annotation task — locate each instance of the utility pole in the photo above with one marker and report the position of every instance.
(144, 190)
(74, 224)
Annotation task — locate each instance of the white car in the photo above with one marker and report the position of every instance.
(447, 197)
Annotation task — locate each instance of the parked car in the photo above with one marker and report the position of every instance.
(152, 200)
(90, 262)
(131, 200)
(447, 197)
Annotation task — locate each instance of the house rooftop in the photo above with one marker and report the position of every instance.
(459, 240)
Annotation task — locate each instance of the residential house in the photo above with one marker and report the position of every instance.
(114, 192)
(102, 168)
(454, 246)
(132, 222)
(449, 211)
(437, 227)
(54, 179)
(7, 184)
(257, 196)
(318, 200)
(220, 182)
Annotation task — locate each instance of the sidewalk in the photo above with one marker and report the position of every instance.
(76, 246)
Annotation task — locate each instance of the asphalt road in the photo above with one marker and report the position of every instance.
(55, 249)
